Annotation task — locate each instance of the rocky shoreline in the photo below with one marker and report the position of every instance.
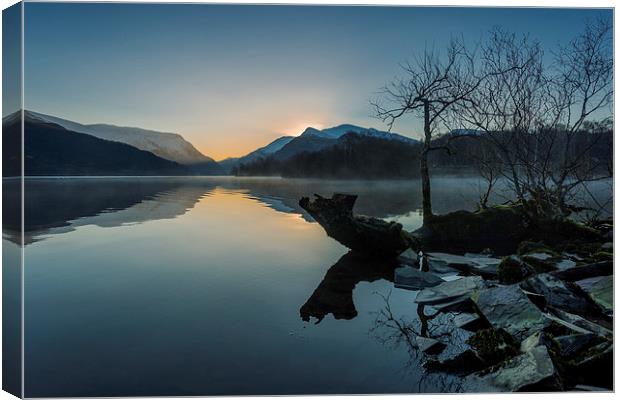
(539, 319)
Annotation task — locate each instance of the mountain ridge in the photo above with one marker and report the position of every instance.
(167, 145)
(50, 149)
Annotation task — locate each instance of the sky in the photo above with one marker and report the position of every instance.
(232, 78)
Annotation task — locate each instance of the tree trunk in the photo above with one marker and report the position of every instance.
(427, 210)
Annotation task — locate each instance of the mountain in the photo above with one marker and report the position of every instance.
(312, 139)
(340, 130)
(170, 146)
(230, 163)
(50, 149)
(350, 156)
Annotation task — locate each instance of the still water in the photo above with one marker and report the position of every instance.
(193, 286)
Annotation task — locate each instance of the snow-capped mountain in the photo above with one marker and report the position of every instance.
(170, 146)
(310, 140)
(314, 140)
(340, 130)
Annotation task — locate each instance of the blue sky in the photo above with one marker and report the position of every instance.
(231, 78)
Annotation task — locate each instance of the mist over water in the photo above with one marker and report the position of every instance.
(193, 286)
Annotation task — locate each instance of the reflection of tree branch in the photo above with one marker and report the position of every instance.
(391, 330)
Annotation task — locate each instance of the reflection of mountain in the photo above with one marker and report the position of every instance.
(54, 205)
(61, 205)
(334, 295)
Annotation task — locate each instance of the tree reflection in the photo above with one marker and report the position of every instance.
(334, 295)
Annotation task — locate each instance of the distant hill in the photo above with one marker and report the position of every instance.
(230, 163)
(351, 156)
(314, 140)
(50, 149)
(310, 140)
(170, 146)
(378, 156)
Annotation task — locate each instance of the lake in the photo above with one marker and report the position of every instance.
(194, 286)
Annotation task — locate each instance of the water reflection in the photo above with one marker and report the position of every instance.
(334, 295)
(193, 286)
(58, 205)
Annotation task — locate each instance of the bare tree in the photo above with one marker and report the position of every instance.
(535, 115)
(431, 86)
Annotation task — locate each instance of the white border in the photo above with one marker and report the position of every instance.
(447, 3)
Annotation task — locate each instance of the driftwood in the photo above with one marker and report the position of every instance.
(363, 234)
(602, 268)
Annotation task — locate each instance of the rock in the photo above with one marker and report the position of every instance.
(609, 246)
(600, 290)
(467, 321)
(429, 345)
(556, 293)
(508, 308)
(577, 322)
(578, 273)
(541, 261)
(440, 267)
(565, 264)
(459, 304)
(533, 247)
(532, 341)
(412, 279)
(560, 327)
(493, 345)
(570, 345)
(449, 291)
(532, 371)
(513, 270)
(484, 266)
(603, 256)
(596, 367)
(485, 348)
(587, 388)
(538, 299)
(410, 258)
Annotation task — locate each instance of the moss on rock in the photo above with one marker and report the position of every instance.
(513, 270)
(493, 345)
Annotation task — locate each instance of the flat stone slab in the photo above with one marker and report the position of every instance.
(412, 279)
(565, 264)
(583, 324)
(556, 293)
(508, 308)
(571, 327)
(475, 264)
(571, 345)
(601, 291)
(409, 257)
(539, 256)
(527, 372)
(450, 290)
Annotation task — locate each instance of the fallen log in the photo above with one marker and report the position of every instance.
(574, 274)
(363, 234)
